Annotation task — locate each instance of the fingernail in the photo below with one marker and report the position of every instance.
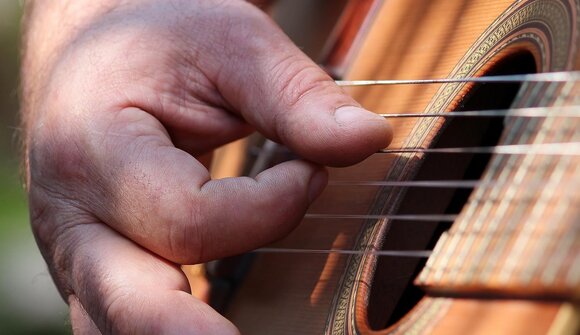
(317, 184)
(350, 114)
(379, 126)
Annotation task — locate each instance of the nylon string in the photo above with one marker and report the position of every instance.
(552, 149)
(561, 77)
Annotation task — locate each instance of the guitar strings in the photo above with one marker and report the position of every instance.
(550, 149)
(573, 111)
(392, 253)
(468, 184)
(425, 183)
(564, 149)
(547, 149)
(528, 112)
(513, 78)
(399, 217)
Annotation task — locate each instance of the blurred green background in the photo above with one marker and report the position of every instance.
(29, 302)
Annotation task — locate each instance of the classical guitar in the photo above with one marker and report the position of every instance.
(469, 223)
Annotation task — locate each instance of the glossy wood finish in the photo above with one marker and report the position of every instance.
(314, 294)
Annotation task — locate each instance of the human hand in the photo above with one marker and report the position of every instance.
(118, 106)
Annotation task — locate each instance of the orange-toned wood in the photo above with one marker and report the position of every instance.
(227, 161)
(347, 33)
(305, 294)
(461, 316)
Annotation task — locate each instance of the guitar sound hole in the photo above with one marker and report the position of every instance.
(392, 293)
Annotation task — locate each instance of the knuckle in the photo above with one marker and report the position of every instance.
(115, 310)
(295, 78)
(299, 87)
(185, 227)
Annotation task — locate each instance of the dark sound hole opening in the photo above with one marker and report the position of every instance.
(393, 294)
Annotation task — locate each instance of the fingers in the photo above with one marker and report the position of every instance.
(122, 289)
(243, 213)
(290, 99)
(163, 199)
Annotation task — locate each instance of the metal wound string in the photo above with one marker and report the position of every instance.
(513, 78)
(399, 217)
(428, 183)
(392, 253)
(554, 149)
(549, 149)
(528, 112)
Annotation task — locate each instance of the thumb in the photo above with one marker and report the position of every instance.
(288, 98)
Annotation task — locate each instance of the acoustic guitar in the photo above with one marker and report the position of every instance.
(469, 222)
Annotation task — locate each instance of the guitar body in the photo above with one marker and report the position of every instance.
(510, 262)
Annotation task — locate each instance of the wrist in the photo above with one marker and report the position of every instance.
(49, 27)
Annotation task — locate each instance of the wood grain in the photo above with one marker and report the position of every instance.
(313, 294)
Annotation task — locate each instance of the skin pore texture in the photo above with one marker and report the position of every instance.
(120, 102)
